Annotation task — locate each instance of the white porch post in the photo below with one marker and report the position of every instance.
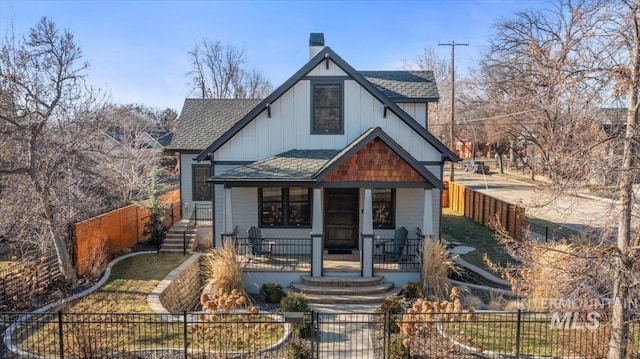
(427, 216)
(366, 250)
(227, 216)
(316, 234)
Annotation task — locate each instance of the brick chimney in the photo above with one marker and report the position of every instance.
(316, 43)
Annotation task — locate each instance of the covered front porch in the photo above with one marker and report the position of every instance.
(350, 241)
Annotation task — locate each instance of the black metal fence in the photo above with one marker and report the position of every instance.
(305, 335)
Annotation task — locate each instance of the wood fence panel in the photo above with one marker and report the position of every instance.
(113, 232)
(484, 209)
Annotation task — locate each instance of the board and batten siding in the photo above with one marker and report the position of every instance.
(219, 199)
(186, 178)
(290, 126)
(416, 110)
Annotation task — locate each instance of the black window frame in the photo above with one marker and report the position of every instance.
(194, 183)
(285, 209)
(392, 210)
(328, 81)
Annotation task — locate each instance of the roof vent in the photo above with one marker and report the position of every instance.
(316, 43)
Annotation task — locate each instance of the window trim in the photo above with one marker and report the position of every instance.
(392, 211)
(327, 81)
(285, 210)
(193, 183)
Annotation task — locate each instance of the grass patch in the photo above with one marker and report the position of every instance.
(130, 282)
(458, 228)
(117, 319)
(556, 231)
(538, 336)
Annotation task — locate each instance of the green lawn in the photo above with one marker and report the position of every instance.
(458, 228)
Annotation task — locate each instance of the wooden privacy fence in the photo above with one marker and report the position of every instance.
(114, 231)
(484, 209)
(23, 285)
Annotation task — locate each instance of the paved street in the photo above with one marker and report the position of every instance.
(566, 208)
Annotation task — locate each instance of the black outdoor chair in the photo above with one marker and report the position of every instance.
(259, 246)
(395, 248)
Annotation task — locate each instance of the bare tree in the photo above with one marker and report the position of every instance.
(429, 60)
(560, 66)
(46, 116)
(219, 71)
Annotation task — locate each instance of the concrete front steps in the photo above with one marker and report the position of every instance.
(174, 241)
(344, 290)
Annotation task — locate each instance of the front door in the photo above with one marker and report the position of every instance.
(341, 218)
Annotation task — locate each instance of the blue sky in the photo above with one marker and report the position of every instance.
(138, 49)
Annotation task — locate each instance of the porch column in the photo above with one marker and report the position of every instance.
(366, 248)
(227, 217)
(427, 215)
(316, 234)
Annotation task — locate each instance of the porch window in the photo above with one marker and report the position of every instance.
(383, 202)
(295, 202)
(326, 112)
(201, 188)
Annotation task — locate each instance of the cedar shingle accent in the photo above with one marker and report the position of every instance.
(375, 162)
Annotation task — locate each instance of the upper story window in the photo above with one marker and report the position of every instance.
(327, 107)
(201, 188)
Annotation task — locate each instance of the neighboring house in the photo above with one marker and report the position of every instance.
(334, 158)
(464, 149)
(154, 139)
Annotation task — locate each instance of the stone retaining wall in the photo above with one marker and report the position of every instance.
(181, 289)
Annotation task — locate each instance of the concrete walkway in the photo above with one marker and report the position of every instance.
(346, 330)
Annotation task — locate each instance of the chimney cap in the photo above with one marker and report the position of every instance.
(316, 39)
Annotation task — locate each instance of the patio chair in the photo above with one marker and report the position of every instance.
(395, 248)
(259, 246)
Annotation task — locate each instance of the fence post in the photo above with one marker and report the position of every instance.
(546, 234)
(171, 214)
(184, 243)
(60, 334)
(318, 336)
(518, 325)
(195, 214)
(184, 333)
(387, 334)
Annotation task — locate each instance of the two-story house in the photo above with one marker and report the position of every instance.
(333, 159)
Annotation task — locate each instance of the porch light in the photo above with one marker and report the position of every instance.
(269, 110)
(384, 114)
(326, 57)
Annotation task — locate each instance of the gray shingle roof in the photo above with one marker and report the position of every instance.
(404, 85)
(203, 121)
(290, 165)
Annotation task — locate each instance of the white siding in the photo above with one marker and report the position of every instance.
(289, 127)
(219, 200)
(321, 70)
(186, 178)
(416, 110)
(409, 209)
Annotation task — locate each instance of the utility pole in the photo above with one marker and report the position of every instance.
(453, 94)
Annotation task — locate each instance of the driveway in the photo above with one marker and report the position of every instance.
(571, 209)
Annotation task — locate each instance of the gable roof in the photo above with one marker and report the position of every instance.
(204, 120)
(312, 166)
(404, 86)
(326, 53)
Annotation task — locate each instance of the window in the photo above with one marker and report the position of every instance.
(201, 188)
(275, 202)
(383, 200)
(326, 115)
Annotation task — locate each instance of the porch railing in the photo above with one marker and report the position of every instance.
(290, 254)
(198, 212)
(408, 260)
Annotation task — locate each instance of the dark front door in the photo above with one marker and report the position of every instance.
(341, 218)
